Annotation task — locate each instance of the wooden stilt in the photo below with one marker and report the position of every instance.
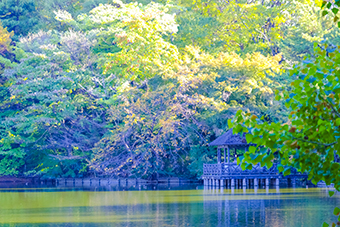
(222, 183)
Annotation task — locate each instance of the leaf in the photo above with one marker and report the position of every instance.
(337, 121)
(323, 4)
(253, 117)
(324, 13)
(330, 193)
(243, 166)
(325, 224)
(238, 113)
(230, 124)
(249, 166)
(280, 168)
(249, 138)
(252, 149)
(286, 172)
(336, 211)
(292, 129)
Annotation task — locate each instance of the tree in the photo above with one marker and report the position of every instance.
(53, 120)
(59, 93)
(304, 26)
(246, 26)
(119, 90)
(18, 16)
(47, 8)
(155, 129)
(309, 141)
(6, 55)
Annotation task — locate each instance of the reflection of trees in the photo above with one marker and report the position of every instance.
(264, 208)
(169, 208)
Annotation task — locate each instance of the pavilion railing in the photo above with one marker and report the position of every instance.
(232, 169)
(213, 169)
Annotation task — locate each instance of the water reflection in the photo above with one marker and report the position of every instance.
(207, 207)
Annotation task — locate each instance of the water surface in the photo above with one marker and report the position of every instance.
(293, 207)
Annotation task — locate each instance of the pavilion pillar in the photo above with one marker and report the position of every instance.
(225, 160)
(228, 154)
(267, 181)
(218, 155)
(256, 182)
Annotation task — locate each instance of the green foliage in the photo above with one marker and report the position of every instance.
(305, 25)
(51, 109)
(47, 11)
(309, 141)
(6, 55)
(247, 26)
(5, 40)
(197, 29)
(134, 90)
(156, 125)
(18, 16)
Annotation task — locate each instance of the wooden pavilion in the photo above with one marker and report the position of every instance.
(228, 173)
(230, 141)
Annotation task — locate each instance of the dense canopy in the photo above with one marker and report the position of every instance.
(140, 89)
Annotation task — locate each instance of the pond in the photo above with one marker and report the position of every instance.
(190, 207)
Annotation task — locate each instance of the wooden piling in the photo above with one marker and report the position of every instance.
(244, 183)
(222, 183)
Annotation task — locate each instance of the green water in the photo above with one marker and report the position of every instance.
(197, 207)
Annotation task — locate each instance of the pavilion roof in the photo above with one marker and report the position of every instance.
(232, 140)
